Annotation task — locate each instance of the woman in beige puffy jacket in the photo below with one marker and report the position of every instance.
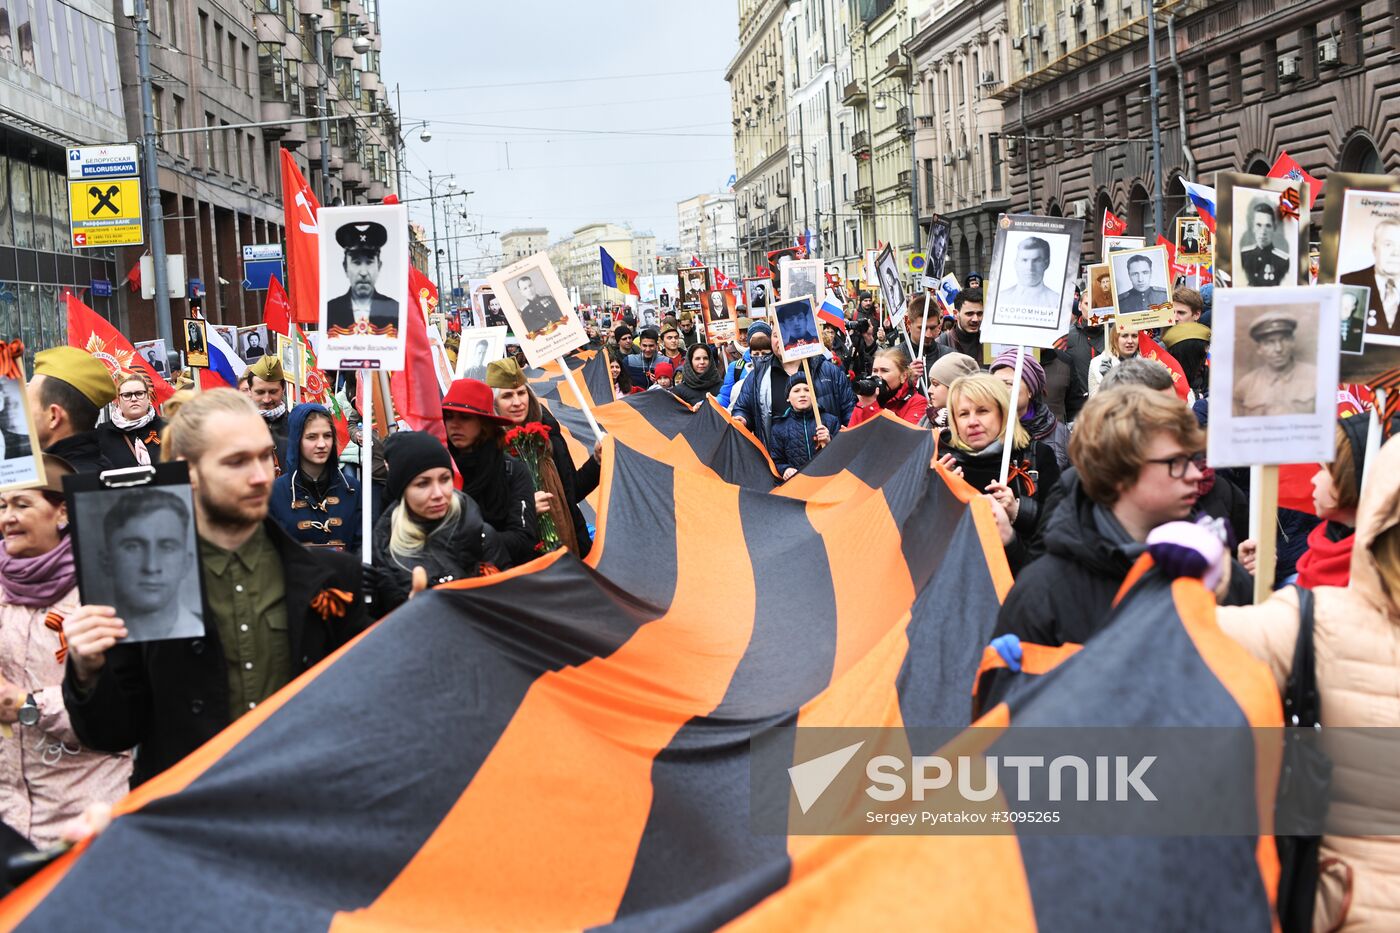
(1356, 637)
(47, 778)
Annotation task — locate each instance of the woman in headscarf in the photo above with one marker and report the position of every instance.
(1035, 414)
(563, 486)
(131, 436)
(313, 500)
(972, 445)
(498, 483)
(699, 376)
(46, 776)
(430, 533)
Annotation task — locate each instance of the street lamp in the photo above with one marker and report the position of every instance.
(432, 203)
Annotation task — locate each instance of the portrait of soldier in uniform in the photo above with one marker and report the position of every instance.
(1145, 292)
(539, 312)
(362, 309)
(1262, 259)
(1274, 381)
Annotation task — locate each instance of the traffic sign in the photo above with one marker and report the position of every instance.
(104, 197)
(255, 251)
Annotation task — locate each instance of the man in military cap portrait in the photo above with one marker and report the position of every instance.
(1263, 263)
(538, 310)
(1278, 384)
(362, 309)
(1143, 295)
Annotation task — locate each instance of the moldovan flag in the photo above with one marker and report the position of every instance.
(1113, 225)
(1288, 167)
(299, 208)
(91, 332)
(618, 276)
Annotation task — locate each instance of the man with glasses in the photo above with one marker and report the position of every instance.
(1138, 458)
(131, 435)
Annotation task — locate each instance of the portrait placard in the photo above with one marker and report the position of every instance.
(253, 344)
(803, 278)
(1194, 244)
(364, 286)
(478, 348)
(1102, 307)
(1361, 248)
(538, 309)
(1261, 230)
(694, 283)
(154, 353)
(719, 314)
(1113, 244)
(1274, 375)
(196, 343)
(757, 293)
(937, 252)
(228, 333)
(1031, 291)
(19, 467)
(1142, 288)
(796, 329)
(292, 369)
(887, 272)
(137, 550)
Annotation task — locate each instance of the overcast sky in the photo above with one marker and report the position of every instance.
(520, 117)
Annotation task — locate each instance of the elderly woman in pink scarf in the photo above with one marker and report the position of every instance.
(47, 778)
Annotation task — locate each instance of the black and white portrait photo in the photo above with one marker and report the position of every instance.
(14, 422)
(1193, 242)
(802, 278)
(1369, 257)
(756, 294)
(153, 352)
(719, 305)
(287, 353)
(937, 252)
(647, 316)
(495, 317)
(1274, 375)
(479, 346)
(1114, 244)
(364, 283)
(1034, 262)
(694, 283)
(196, 347)
(137, 552)
(891, 288)
(252, 343)
(1258, 242)
(1142, 286)
(228, 333)
(1356, 301)
(538, 309)
(797, 328)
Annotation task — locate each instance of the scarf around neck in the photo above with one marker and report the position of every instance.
(705, 382)
(1327, 561)
(39, 581)
(483, 470)
(128, 425)
(272, 414)
(1040, 421)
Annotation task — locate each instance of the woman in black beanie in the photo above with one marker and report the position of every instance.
(429, 525)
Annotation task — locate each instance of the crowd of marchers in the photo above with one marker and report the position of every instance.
(1107, 446)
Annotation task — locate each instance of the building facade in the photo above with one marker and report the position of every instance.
(59, 87)
(759, 110)
(879, 89)
(1238, 82)
(519, 243)
(708, 229)
(219, 66)
(577, 261)
(959, 54)
(819, 128)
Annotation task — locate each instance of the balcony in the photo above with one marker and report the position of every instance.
(860, 142)
(925, 123)
(864, 198)
(903, 123)
(271, 27)
(853, 94)
(314, 8)
(370, 81)
(904, 182)
(274, 110)
(352, 174)
(377, 191)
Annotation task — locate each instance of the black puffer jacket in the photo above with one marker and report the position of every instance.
(1038, 494)
(452, 554)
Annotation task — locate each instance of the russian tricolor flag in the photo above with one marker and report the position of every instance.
(831, 313)
(222, 362)
(1203, 196)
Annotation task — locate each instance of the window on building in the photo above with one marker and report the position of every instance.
(218, 49)
(1202, 89)
(209, 164)
(179, 122)
(235, 151)
(204, 37)
(245, 62)
(1268, 57)
(994, 162)
(172, 24)
(1352, 50)
(1234, 89)
(158, 109)
(929, 200)
(1307, 47)
(252, 161)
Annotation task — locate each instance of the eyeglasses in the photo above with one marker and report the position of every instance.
(1176, 466)
(134, 396)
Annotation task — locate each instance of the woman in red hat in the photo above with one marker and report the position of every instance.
(496, 481)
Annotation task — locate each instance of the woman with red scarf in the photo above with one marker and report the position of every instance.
(1336, 492)
(895, 390)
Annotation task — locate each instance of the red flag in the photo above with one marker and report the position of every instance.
(1150, 349)
(417, 398)
(1112, 224)
(277, 309)
(1171, 256)
(722, 281)
(1288, 167)
(319, 390)
(299, 208)
(91, 332)
(133, 278)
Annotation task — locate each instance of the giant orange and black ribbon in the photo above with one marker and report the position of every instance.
(331, 602)
(10, 353)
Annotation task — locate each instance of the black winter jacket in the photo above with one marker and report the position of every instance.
(116, 445)
(792, 441)
(1038, 496)
(453, 555)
